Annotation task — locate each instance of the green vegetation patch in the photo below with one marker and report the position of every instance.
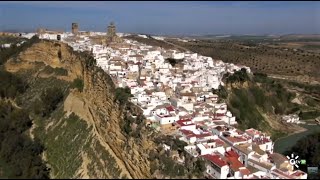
(309, 115)
(19, 155)
(11, 85)
(64, 141)
(78, 84)
(57, 71)
(122, 95)
(174, 61)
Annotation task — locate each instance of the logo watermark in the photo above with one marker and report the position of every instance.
(294, 160)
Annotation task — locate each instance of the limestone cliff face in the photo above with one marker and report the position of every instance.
(96, 106)
(56, 55)
(107, 115)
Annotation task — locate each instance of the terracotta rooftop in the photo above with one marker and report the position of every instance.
(231, 153)
(215, 159)
(244, 171)
(170, 108)
(236, 139)
(234, 163)
(298, 173)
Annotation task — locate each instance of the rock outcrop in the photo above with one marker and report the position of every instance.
(107, 116)
(96, 105)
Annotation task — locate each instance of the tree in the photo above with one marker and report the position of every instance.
(122, 95)
(18, 153)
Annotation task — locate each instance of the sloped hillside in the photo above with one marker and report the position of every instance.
(259, 102)
(76, 116)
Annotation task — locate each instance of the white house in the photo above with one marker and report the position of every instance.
(293, 118)
(216, 167)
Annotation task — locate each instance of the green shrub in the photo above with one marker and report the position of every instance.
(50, 98)
(309, 115)
(19, 155)
(173, 61)
(77, 83)
(57, 71)
(238, 76)
(122, 95)
(61, 71)
(11, 85)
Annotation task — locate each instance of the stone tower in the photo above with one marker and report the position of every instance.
(75, 28)
(111, 30)
(111, 34)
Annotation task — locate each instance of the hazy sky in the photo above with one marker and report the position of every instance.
(165, 17)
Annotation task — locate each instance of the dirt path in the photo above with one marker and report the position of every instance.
(31, 133)
(175, 45)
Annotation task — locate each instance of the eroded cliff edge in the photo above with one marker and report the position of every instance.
(93, 145)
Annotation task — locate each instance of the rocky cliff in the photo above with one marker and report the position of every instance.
(107, 115)
(93, 145)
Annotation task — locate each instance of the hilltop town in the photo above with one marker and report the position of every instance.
(174, 89)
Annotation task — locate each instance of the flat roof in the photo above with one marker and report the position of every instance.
(262, 164)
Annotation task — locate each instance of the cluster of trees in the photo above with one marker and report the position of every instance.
(243, 106)
(166, 165)
(221, 92)
(238, 76)
(127, 123)
(310, 88)
(20, 156)
(122, 95)
(248, 104)
(173, 61)
(309, 115)
(11, 85)
(175, 144)
(169, 167)
(262, 58)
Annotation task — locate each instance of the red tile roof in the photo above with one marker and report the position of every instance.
(215, 159)
(235, 164)
(282, 173)
(220, 114)
(244, 171)
(203, 135)
(236, 139)
(186, 132)
(298, 173)
(219, 142)
(183, 123)
(231, 153)
(170, 108)
(261, 140)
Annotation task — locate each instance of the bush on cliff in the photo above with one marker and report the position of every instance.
(77, 83)
(122, 95)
